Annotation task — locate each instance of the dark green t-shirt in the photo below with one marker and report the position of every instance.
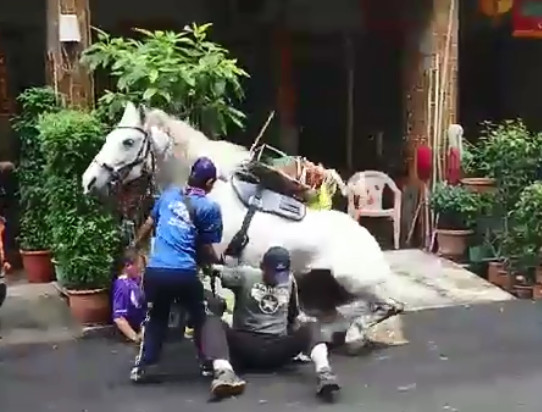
(260, 308)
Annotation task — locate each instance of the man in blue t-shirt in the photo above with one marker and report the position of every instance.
(186, 224)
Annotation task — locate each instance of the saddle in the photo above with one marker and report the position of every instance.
(255, 196)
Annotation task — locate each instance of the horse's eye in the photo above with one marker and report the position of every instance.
(128, 142)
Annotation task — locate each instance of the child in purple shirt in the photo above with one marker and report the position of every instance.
(128, 299)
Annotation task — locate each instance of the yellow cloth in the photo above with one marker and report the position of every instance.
(323, 200)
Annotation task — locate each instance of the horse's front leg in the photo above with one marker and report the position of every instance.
(365, 313)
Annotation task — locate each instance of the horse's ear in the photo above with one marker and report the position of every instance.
(142, 111)
(130, 118)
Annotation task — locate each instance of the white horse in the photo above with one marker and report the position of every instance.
(337, 262)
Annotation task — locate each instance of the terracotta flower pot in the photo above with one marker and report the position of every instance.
(493, 269)
(538, 275)
(523, 291)
(479, 184)
(90, 307)
(537, 292)
(453, 243)
(501, 278)
(38, 266)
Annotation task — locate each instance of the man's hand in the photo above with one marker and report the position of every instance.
(6, 267)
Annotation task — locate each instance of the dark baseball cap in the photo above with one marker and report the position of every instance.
(203, 170)
(277, 259)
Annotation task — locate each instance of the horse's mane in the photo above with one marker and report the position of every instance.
(183, 132)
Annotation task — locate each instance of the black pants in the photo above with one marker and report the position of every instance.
(256, 350)
(162, 287)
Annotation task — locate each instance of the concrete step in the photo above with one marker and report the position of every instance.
(34, 313)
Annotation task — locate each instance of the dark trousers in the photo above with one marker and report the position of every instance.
(256, 350)
(162, 287)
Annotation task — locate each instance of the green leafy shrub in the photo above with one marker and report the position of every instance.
(35, 234)
(85, 235)
(510, 154)
(457, 206)
(524, 240)
(184, 74)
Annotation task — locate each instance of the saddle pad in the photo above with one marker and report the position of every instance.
(271, 202)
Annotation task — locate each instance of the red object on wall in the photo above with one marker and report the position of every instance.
(453, 170)
(424, 162)
(527, 18)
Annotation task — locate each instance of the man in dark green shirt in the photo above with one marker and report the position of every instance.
(265, 333)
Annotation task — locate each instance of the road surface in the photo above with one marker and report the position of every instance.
(479, 358)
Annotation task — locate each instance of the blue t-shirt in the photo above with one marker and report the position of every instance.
(177, 237)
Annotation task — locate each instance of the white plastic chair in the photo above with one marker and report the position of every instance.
(365, 191)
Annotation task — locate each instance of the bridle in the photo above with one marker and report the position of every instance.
(120, 172)
(145, 185)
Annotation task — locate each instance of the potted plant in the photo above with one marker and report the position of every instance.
(456, 207)
(524, 240)
(85, 236)
(35, 235)
(475, 168)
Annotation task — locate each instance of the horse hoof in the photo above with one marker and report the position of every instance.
(355, 341)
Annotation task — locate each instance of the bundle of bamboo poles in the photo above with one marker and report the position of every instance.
(439, 90)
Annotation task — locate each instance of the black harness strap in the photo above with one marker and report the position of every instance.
(240, 240)
(192, 214)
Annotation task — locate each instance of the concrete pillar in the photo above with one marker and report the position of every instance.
(64, 72)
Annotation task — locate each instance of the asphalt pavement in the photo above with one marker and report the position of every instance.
(479, 358)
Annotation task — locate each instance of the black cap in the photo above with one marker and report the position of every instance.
(277, 259)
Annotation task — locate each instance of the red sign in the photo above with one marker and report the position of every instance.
(527, 18)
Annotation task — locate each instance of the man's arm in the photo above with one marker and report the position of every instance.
(293, 306)
(234, 277)
(146, 228)
(120, 310)
(209, 225)
(144, 232)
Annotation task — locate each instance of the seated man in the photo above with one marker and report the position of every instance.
(263, 334)
(128, 300)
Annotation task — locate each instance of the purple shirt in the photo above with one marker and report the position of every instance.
(128, 301)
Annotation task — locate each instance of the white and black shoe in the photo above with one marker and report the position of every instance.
(327, 385)
(143, 374)
(226, 384)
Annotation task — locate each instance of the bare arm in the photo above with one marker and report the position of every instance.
(144, 232)
(234, 277)
(293, 306)
(208, 256)
(127, 330)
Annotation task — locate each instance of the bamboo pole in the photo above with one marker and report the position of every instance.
(445, 69)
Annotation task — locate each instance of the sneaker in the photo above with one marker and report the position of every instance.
(206, 368)
(140, 374)
(137, 374)
(327, 385)
(226, 383)
(301, 358)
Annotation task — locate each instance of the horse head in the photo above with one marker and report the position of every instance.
(129, 151)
